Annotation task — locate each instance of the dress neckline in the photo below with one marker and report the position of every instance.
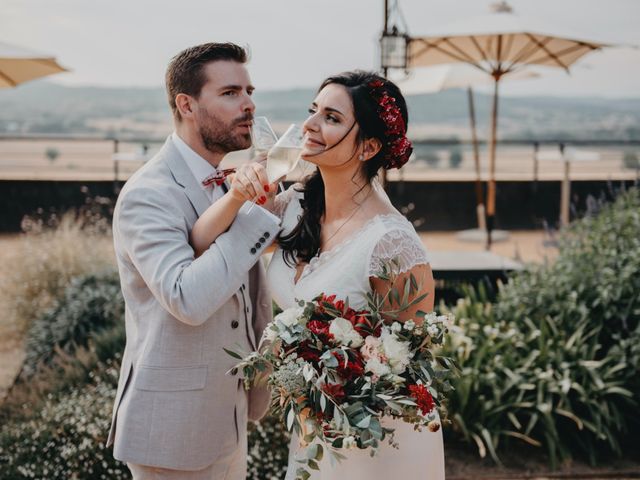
(326, 255)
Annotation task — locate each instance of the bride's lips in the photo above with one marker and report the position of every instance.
(314, 143)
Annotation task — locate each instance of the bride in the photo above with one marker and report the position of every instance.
(338, 228)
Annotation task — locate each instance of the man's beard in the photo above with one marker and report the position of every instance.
(219, 137)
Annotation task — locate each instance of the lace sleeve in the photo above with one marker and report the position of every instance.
(283, 199)
(402, 247)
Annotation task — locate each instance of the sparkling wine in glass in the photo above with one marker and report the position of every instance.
(285, 154)
(263, 137)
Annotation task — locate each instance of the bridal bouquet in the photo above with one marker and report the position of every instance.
(335, 372)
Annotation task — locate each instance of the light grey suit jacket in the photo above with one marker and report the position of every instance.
(175, 407)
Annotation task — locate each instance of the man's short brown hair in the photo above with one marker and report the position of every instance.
(185, 73)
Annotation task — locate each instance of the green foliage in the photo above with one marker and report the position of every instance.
(630, 160)
(52, 153)
(455, 158)
(66, 439)
(90, 304)
(268, 449)
(432, 158)
(49, 254)
(556, 361)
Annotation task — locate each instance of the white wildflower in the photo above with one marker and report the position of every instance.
(349, 443)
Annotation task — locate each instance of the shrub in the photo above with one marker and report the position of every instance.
(556, 361)
(90, 304)
(455, 158)
(43, 264)
(630, 160)
(66, 438)
(52, 153)
(268, 450)
(432, 159)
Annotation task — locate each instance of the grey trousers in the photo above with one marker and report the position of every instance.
(230, 467)
(233, 467)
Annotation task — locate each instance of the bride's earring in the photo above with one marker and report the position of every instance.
(361, 157)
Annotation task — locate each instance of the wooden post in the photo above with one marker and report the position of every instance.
(116, 187)
(491, 191)
(480, 211)
(565, 192)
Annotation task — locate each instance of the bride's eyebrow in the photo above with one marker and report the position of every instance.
(328, 109)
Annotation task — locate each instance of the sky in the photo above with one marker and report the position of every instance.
(297, 43)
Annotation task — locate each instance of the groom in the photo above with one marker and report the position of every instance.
(177, 414)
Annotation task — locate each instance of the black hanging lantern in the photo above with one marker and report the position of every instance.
(393, 49)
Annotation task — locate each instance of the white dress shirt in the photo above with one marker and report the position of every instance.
(201, 169)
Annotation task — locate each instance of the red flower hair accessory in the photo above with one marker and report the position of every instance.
(398, 147)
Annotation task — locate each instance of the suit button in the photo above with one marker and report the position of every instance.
(253, 251)
(261, 240)
(234, 324)
(258, 245)
(266, 235)
(234, 371)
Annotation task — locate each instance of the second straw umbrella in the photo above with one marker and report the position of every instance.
(500, 44)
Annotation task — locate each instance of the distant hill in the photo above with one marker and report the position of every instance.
(44, 107)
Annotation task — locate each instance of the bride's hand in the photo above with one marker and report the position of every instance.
(250, 183)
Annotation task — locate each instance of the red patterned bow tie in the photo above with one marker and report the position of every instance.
(219, 177)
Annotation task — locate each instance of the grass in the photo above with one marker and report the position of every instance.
(39, 264)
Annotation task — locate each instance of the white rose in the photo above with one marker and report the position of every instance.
(290, 317)
(396, 326)
(396, 351)
(344, 333)
(409, 325)
(379, 369)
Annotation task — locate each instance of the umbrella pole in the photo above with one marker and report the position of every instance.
(565, 195)
(476, 159)
(491, 191)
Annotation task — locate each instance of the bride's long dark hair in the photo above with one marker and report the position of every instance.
(364, 89)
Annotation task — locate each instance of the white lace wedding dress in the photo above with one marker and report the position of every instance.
(345, 270)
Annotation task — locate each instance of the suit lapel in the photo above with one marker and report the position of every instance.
(185, 178)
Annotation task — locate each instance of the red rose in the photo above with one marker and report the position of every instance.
(321, 329)
(350, 315)
(353, 369)
(423, 398)
(334, 390)
(328, 299)
(362, 324)
(307, 353)
(325, 302)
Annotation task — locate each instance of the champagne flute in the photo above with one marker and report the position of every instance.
(263, 138)
(284, 156)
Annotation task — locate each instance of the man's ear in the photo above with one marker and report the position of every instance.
(184, 105)
(370, 148)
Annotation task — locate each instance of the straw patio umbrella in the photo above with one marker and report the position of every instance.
(421, 80)
(18, 65)
(499, 44)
